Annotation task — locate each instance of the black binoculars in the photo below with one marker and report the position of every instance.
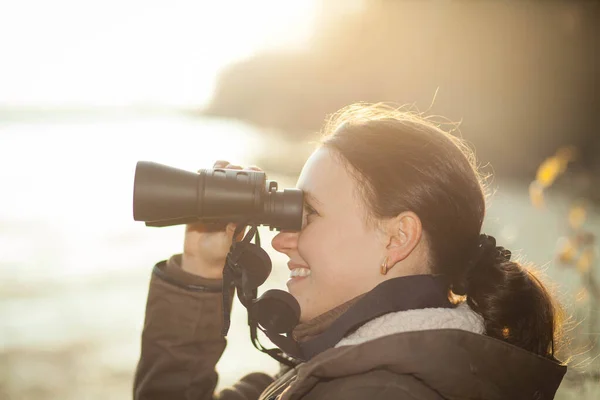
(165, 196)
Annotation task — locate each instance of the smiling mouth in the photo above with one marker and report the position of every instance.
(300, 273)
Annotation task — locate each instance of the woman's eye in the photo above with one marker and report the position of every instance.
(309, 211)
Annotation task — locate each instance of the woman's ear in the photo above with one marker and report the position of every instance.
(404, 233)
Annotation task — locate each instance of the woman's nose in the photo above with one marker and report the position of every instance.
(284, 241)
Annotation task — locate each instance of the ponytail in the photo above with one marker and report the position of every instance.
(514, 304)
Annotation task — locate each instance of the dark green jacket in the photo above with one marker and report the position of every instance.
(181, 344)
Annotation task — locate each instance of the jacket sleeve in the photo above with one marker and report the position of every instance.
(182, 341)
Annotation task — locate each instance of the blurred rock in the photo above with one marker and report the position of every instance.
(523, 77)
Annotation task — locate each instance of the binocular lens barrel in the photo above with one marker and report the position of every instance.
(166, 196)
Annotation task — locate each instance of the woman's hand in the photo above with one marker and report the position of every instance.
(206, 245)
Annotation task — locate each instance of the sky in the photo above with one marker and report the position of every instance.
(119, 53)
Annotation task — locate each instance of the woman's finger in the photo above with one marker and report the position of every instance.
(220, 164)
(231, 166)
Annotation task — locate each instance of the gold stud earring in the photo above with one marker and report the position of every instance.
(384, 267)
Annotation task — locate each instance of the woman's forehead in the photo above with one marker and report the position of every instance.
(324, 176)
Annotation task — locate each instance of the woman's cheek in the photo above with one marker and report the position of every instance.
(310, 247)
(302, 246)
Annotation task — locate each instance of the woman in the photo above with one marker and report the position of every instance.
(401, 295)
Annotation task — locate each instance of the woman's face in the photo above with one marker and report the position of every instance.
(336, 256)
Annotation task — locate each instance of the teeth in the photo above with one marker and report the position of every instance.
(299, 272)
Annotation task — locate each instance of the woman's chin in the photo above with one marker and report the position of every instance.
(295, 284)
(295, 288)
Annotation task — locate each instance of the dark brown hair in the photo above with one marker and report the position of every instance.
(404, 162)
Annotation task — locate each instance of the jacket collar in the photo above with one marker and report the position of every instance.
(398, 294)
(461, 317)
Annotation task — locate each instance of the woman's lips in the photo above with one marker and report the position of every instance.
(293, 265)
(298, 273)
